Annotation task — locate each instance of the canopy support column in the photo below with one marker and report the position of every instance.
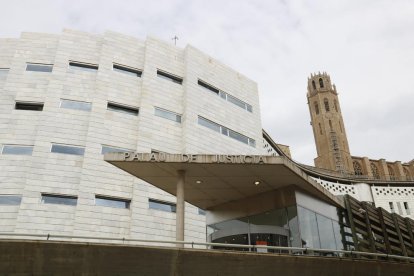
(180, 210)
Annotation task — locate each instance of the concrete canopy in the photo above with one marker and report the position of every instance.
(211, 180)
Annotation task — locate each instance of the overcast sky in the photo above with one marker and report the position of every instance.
(367, 47)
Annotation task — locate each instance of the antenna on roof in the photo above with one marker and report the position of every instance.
(175, 38)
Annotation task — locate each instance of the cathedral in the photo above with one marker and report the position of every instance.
(332, 147)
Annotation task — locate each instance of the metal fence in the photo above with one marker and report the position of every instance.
(213, 246)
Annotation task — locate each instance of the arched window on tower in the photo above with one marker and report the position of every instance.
(320, 129)
(340, 126)
(316, 108)
(374, 171)
(336, 106)
(407, 174)
(330, 125)
(391, 173)
(321, 82)
(313, 84)
(326, 102)
(357, 168)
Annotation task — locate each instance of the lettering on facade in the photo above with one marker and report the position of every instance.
(189, 158)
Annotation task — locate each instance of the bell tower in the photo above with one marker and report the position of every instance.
(328, 126)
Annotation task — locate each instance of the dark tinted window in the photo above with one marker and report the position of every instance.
(29, 106)
(123, 109)
(169, 77)
(127, 70)
(83, 66)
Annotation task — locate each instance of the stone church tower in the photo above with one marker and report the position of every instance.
(328, 126)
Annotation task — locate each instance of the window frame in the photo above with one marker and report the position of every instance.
(225, 96)
(39, 65)
(83, 66)
(168, 76)
(106, 198)
(67, 146)
(164, 203)
(76, 101)
(20, 104)
(178, 117)
(3, 146)
(122, 108)
(126, 70)
(13, 202)
(116, 148)
(62, 196)
(225, 131)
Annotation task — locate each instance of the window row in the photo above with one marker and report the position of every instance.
(87, 106)
(226, 131)
(38, 67)
(56, 148)
(226, 96)
(100, 200)
(89, 67)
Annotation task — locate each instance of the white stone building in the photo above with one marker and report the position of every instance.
(66, 99)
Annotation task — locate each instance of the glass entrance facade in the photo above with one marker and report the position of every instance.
(294, 226)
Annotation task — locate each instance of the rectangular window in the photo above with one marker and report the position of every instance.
(209, 124)
(83, 66)
(10, 199)
(29, 106)
(123, 109)
(127, 70)
(77, 105)
(3, 73)
(112, 202)
(108, 149)
(167, 114)
(17, 150)
(38, 67)
(162, 205)
(209, 87)
(226, 96)
(407, 208)
(170, 77)
(226, 131)
(74, 150)
(236, 101)
(239, 137)
(391, 207)
(59, 199)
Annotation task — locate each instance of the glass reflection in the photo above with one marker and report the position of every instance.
(326, 233)
(294, 226)
(308, 228)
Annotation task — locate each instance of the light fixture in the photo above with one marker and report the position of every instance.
(256, 183)
(198, 181)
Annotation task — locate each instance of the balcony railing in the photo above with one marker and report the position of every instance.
(263, 249)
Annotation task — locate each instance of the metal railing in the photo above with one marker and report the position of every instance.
(213, 246)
